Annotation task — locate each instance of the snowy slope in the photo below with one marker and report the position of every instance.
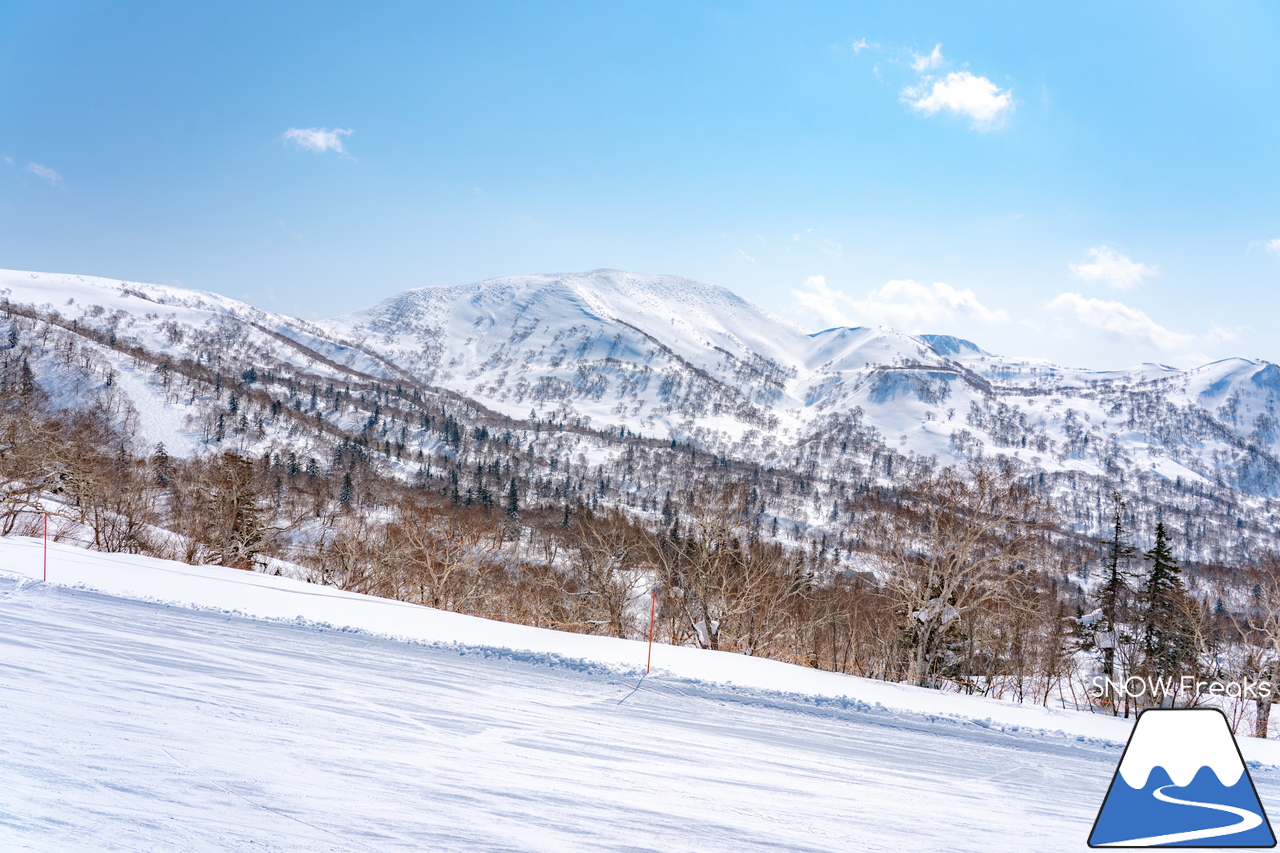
(270, 715)
(664, 356)
(160, 317)
(654, 352)
(197, 326)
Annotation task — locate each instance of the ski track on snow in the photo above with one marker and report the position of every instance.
(138, 725)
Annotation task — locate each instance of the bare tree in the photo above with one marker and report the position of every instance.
(604, 559)
(1259, 623)
(354, 554)
(444, 554)
(956, 544)
(216, 506)
(721, 581)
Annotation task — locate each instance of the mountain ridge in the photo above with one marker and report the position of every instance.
(670, 359)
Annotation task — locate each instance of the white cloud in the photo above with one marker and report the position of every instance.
(1273, 246)
(318, 139)
(906, 305)
(924, 63)
(44, 172)
(745, 256)
(858, 45)
(964, 94)
(1130, 324)
(1114, 268)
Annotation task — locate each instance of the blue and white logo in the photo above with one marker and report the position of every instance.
(1182, 783)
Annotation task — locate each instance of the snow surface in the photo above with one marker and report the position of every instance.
(152, 705)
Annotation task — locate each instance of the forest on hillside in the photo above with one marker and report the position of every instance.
(849, 557)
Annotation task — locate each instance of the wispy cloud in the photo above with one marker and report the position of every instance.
(1273, 246)
(44, 172)
(292, 232)
(962, 93)
(1129, 324)
(318, 139)
(1115, 269)
(745, 256)
(906, 305)
(926, 63)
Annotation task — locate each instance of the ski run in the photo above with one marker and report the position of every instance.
(156, 706)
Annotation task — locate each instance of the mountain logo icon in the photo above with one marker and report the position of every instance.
(1182, 783)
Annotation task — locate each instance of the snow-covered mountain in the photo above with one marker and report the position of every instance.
(668, 358)
(662, 355)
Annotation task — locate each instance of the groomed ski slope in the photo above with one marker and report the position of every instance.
(154, 706)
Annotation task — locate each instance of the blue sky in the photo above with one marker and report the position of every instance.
(1094, 185)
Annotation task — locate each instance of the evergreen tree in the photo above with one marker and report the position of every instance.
(1164, 636)
(345, 495)
(513, 505)
(164, 470)
(1115, 593)
(28, 381)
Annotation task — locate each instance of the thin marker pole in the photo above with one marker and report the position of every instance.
(46, 547)
(653, 609)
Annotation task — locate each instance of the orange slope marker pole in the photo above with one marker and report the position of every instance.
(653, 609)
